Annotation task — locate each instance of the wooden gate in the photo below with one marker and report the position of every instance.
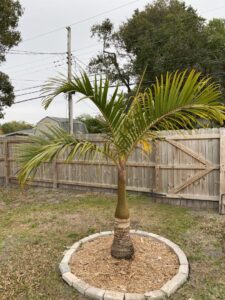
(188, 165)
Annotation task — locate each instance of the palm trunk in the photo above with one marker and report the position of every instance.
(122, 246)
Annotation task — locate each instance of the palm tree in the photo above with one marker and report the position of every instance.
(175, 101)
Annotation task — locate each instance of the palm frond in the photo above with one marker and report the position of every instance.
(111, 106)
(49, 145)
(178, 101)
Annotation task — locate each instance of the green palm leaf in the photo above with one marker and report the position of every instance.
(179, 101)
(49, 145)
(111, 106)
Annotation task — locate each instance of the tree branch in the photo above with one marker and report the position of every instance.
(121, 76)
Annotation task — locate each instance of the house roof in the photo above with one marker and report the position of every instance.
(61, 120)
(24, 132)
(78, 126)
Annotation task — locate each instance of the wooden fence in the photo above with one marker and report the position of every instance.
(185, 167)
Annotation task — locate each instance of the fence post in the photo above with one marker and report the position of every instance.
(6, 162)
(157, 158)
(55, 173)
(222, 172)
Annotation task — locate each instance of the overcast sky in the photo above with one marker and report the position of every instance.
(42, 17)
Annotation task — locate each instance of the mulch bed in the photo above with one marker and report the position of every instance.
(151, 267)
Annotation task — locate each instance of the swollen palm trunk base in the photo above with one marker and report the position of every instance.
(122, 246)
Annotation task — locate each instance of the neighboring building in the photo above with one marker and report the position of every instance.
(24, 132)
(42, 125)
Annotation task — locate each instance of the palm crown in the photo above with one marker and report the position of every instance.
(175, 101)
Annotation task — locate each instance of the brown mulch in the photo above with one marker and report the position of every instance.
(152, 265)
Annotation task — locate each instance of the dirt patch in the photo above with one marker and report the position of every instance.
(152, 265)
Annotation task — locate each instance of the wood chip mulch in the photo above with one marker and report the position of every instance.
(152, 265)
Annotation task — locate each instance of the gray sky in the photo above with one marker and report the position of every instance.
(43, 16)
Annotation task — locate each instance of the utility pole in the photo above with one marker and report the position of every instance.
(69, 62)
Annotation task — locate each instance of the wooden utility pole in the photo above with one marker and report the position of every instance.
(69, 62)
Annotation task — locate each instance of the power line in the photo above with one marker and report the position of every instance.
(26, 79)
(26, 100)
(111, 86)
(76, 59)
(79, 22)
(39, 86)
(87, 47)
(103, 13)
(216, 8)
(33, 52)
(43, 69)
(39, 97)
(170, 59)
(31, 62)
(84, 54)
(54, 62)
(29, 88)
(29, 93)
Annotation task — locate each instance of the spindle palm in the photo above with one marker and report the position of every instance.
(177, 100)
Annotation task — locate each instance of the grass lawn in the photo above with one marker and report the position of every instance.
(37, 225)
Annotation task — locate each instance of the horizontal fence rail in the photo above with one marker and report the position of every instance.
(183, 166)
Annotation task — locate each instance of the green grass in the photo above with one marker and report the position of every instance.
(37, 225)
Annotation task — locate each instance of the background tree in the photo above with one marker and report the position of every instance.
(10, 12)
(177, 100)
(14, 126)
(114, 60)
(94, 124)
(215, 48)
(166, 36)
